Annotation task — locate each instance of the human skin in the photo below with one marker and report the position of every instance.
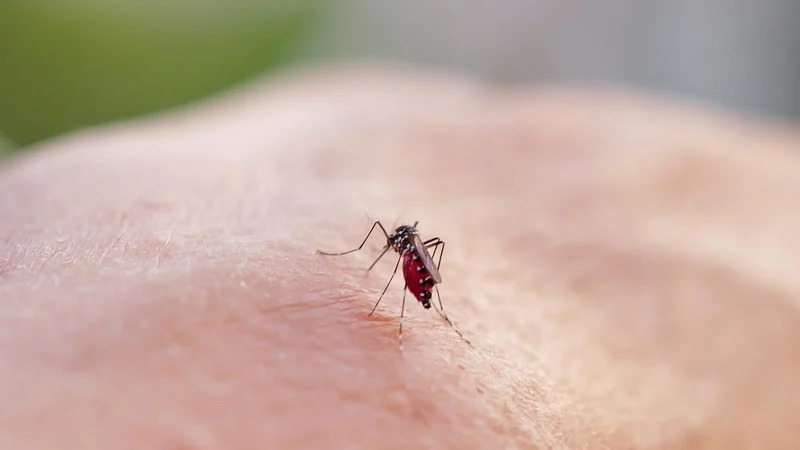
(624, 265)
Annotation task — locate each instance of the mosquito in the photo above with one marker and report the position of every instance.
(420, 272)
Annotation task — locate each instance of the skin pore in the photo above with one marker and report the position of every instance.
(625, 267)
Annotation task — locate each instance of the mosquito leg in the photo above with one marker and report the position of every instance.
(444, 316)
(387, 284)
(435, 243)
(402, 311)
(379, 257)
(376, 224)
(431, 241)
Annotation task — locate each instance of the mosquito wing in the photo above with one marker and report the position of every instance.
(427, 261)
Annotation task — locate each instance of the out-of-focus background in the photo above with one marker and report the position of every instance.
(67, 64)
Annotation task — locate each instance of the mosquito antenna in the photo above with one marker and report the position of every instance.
(397, 219)
(368, 217)
(444, 316)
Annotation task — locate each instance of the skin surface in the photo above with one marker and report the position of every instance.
(625, 266)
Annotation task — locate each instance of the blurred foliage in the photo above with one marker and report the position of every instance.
(66, 64)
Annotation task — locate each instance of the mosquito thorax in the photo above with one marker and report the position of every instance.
(400, 240)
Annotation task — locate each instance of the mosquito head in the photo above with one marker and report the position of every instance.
(403, 230)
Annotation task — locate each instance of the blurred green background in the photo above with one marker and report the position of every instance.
(67, 64)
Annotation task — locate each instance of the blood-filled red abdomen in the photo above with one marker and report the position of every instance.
(418, 280)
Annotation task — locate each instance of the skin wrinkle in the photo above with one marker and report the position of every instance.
(213, 313)
(493, 185)
(170, 290)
